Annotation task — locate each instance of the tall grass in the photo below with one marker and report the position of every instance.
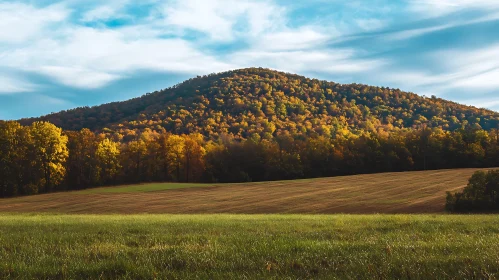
(248, 246)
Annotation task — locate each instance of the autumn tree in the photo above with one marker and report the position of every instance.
(152, 161)
(133, 160)
(82, 169)
(14, 165)
(49, 151)
(193, 157)
(175, 145)
(160, 148)
(108, 164)
(283, 158)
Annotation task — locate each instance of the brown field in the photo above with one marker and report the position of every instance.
(407, 192)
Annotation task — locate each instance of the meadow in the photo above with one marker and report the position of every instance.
(248, 246)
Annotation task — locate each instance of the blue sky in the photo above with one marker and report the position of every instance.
(57, 55)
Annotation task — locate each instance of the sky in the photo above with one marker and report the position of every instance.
(58, 55)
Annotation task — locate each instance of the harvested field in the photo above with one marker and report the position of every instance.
(406, 192)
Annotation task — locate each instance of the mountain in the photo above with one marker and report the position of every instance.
(262, 101)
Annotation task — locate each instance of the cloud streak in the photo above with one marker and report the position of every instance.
(12, 85)
(434, 8)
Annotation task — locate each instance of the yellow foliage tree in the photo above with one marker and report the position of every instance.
(193, 157)
(108, 160)
(49, 147)
(175, 145)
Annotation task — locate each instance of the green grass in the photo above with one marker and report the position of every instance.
(248, 246)
(144, 188)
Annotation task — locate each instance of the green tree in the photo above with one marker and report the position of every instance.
(480, 195)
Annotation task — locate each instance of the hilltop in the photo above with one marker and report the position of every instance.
(265, 102)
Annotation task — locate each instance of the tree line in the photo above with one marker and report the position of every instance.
(42, 158)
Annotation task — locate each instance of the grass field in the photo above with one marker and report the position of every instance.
(248, 246)
(407, 192)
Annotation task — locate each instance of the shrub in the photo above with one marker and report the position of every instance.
(480, 195)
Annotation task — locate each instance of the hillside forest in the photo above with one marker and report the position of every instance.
(244, 125)
(257, 102)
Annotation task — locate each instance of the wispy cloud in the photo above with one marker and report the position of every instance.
(102, 13)
(410, 33)
(475, 71)
(20, 22)
(77, 77)
(419, 31)
(221, 20)
(325, 61)
(442, 7)
(483, 103)
(10, 85)
(292, 39)
(370, 24)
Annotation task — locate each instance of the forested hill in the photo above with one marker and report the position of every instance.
(265, 102)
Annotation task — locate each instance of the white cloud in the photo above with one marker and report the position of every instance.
(488, 80)
(219, 18)
(303, 38)
(340, 61)
(77, 77)
(9, 85)
(91, 58)
(100, 13)
(85, 57)
(474, 69)
(472, 73)
(491, 103)
(42, 99)
(432, 8)
(20, 22)
(410, 33)
(457, 86)
(201, 16)
(370, 24)
(474, 82)
(109, 9)
(415, 32)
(486, 56)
